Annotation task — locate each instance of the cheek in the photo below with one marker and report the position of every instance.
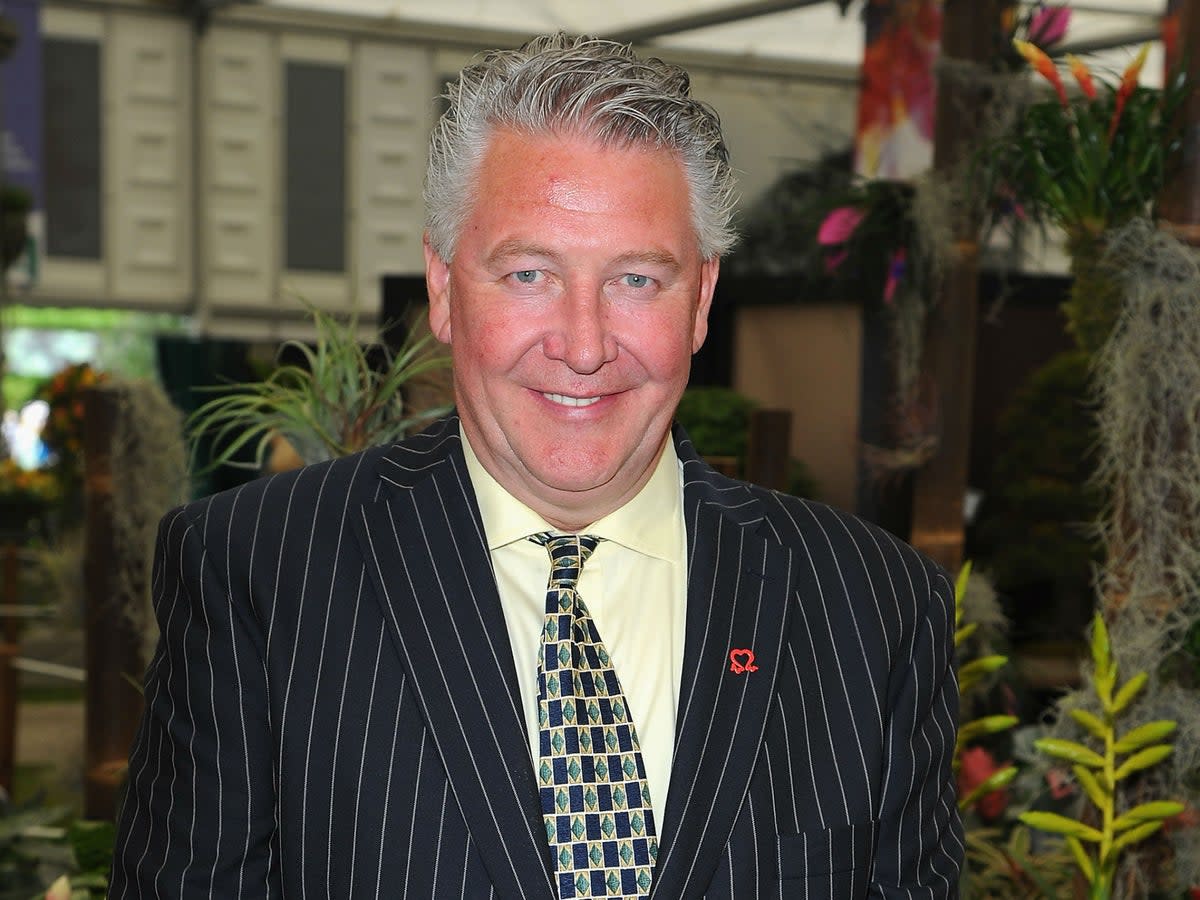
(492, 343)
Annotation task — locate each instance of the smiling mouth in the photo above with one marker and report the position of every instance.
(564, 400)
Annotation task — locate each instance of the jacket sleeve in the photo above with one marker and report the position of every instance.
(198, 816)
(920, 843)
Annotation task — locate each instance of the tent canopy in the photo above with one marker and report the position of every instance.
(808, 31)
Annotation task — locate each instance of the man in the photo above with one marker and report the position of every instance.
(365, 686)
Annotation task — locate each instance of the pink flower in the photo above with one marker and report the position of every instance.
(833, 260)
(839, 225)
(976, 766)
(895, 274)
(1060, 784)
(1048, 25)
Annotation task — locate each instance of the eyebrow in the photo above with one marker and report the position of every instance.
(516, 247)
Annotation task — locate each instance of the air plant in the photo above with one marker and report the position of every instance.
(336, 404)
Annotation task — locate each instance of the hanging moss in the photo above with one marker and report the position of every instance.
(149, 472)
(1147, 390)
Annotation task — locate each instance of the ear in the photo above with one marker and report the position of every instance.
(437, 285)
(709, 270)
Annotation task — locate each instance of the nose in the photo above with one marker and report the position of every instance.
(580, 335)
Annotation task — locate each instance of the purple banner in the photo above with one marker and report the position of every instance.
(21, 100)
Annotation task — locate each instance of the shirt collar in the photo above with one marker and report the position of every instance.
(647, 524)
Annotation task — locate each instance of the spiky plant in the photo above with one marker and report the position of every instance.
(1099, 772)
(334, 405)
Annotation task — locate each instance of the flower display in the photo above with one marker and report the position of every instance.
(63, 433)
(1093, 160)
(26, 488)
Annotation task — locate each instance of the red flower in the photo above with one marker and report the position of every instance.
(1083, 75)
(1044, 66)
(1129, 83)
(976, 766)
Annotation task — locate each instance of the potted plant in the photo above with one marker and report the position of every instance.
(335, 404)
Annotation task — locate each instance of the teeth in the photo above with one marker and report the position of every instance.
(570, 401)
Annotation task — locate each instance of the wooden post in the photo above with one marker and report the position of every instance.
(1179, 205)
(116, 579)
(968, 30)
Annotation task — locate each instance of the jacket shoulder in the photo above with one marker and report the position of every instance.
(829, 534)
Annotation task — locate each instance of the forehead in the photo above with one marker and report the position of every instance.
(561, 180)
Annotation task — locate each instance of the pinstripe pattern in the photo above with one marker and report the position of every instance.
(313, 728)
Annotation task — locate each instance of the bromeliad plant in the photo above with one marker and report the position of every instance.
(1087, 162)
(1100, 772)
(336, 404)
(1096, 159)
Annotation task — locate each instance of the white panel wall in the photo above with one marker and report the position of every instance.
(240, 173)
(393, 91)
(147, 140)
(194, 166)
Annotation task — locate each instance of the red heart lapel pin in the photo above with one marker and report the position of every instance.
(741, 660)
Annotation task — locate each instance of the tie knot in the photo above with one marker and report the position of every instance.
(568, 553)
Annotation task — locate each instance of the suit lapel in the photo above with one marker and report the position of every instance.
(739, 585)
(430, 567)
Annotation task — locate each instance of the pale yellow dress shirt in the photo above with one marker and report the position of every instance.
(634, 585)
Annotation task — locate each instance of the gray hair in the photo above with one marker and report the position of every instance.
(584, 86)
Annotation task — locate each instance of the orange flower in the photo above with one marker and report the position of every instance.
(1082, 75)
(1129, 83)
(1044, 66)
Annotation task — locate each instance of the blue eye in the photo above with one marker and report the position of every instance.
(526, 276)
(636, 281)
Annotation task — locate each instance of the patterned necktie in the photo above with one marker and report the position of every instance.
(595, 800)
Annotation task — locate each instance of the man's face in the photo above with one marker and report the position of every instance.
(573, 304)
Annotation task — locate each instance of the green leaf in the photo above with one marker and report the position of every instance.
(970, 674)
(1056, 824)
(987, 725)
(965, 632)
(993, 782)
(1147, 812)
(1101, 651)
(1081, 858)
(1149, 733)
(1091, 786)
(1090, 722)
(985, 665)
(1132, 837)
(1143, 760)
(960, 583)
(1128, 691)
(1070, 750)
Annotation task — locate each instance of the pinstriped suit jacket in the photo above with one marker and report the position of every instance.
(332, 710)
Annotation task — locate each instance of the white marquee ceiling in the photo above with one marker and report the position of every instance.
(800, 30)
